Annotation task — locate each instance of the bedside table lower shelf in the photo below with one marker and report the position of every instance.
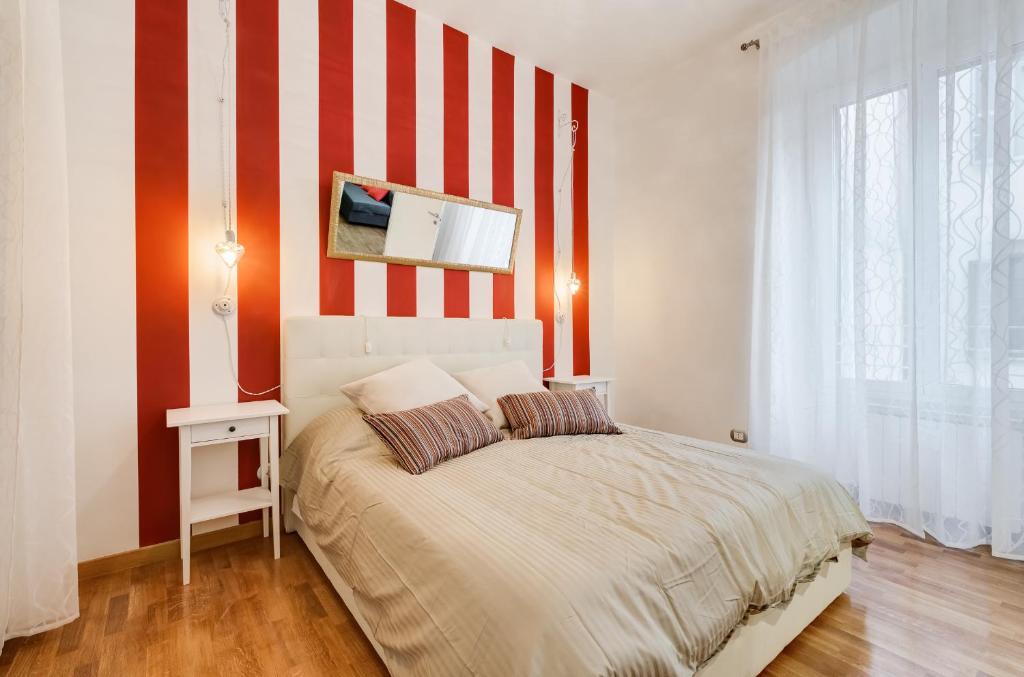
(229, 503)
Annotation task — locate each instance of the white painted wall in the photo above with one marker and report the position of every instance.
(98, 48)
(686, 186)
(604, 197)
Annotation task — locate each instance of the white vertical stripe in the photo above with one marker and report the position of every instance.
(369, 90)
(480, 140)
(300, 233)
(429, 103)
(481, 285)
(99, 67)
(369, 87)
(602, 156)
(429, 292)
(429, 145)
(524, 170)
(210, 380)
(563, 225)
(371, 288)
(481, 294)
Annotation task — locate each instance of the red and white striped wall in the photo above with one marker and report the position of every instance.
(364, 86)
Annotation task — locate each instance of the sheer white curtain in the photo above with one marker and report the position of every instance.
(38, 574)
(888, 328)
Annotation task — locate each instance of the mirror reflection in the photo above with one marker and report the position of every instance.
(383, 221)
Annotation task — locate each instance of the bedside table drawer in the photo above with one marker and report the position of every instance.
(228, 430)
(598, 388)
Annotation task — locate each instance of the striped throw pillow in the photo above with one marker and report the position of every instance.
(423, 437)
(563, 412)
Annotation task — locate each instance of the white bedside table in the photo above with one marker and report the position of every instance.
(599, 384)
(216, 424)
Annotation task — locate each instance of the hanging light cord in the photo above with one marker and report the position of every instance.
(225, 136)
(567, 175)
(225, 156)
(231, 363)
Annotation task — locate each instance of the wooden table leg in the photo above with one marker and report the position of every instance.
(185, 498)
(265, 480)
(275, 491)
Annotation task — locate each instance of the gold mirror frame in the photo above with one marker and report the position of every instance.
(338, 183)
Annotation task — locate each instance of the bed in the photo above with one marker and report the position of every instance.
(644, 553)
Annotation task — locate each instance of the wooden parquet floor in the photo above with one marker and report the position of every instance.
(916, 608)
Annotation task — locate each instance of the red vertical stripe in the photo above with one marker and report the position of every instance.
(401, 135)
(456, 112)
(337, 276)
(259, 209)
(456, 152)
(503, 162)
(544, 205)
(580, 234)
(161, 249)
(456, 293)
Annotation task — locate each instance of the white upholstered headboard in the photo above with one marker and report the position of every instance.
(323, 353)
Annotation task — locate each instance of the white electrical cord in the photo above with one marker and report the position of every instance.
(225, 136)
(231, 363)
(567, 174)
(225, 158)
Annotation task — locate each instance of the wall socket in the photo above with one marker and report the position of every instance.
(739, 436)
(224, 305)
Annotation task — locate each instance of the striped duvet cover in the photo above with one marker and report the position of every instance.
(585, 555)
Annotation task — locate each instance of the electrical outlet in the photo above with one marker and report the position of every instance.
(224, 305)
(739, 436)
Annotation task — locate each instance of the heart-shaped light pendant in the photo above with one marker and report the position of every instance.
(230, 252)
(574, 283)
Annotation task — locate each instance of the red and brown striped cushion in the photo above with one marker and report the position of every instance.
(422, 437)
(563, 412)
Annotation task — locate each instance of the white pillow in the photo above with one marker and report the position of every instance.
(407, 386)
(490, 383)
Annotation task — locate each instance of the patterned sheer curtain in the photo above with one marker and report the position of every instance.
(888, 328)
(38, 554)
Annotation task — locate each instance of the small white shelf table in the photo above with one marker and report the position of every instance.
(599, 384)
(217, 424)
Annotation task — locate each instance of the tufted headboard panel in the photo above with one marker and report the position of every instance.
(323, 353)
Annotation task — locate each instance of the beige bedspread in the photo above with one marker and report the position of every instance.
(588, 555)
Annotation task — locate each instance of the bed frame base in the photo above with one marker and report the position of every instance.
(756, 644)
(750, 649)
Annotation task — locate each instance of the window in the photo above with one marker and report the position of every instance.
(883, 243)
(967, 150)
(873, 156)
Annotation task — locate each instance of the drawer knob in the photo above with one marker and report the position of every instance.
(231, 429)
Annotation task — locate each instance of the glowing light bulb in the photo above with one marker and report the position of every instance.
(229, 250)
(574, 283)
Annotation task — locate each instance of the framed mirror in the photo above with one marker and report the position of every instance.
(382, 221)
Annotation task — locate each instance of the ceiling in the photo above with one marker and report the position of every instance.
(601, 44)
